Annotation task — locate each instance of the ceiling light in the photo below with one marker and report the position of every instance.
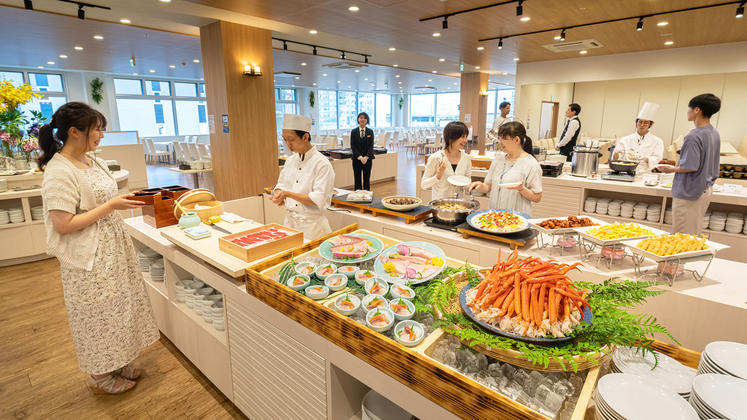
(365, 79)
(354, 8)
(397, 75)
(395, 65)
(436, 34)
(63, 56)
(455, 83)
(297, 77)
(399, 83)
(392, 49)
(165, 1)
(303, 64)
(348, 87)
(639, 25)
(520, 8)
(41, 67)
(505, 74)
(740, 10)
(669, 43)
(524, 19)
(448, 88)
(557, 37)
(477, 68)
(445, 24)
(582, 52)
(562, 35)
(50, 62)
(78, 48)
(662, 24)
(196, 60)
(172, 66)
(338, 81)
(426, 85)
(500, 44)
(430, 80)
(312, 31)
(81, 12)
(314, 52)
(314, 84)
(357, 71)
(506, 83)
(134, 74)
(152, 71)
(480, 48)
(125, 21)
(441, 59)
(324, 74)
(434, 71)
(98, 37)
(342, 56)
(516, 59)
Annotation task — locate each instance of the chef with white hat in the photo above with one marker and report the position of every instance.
(306, 182)
(642, 145)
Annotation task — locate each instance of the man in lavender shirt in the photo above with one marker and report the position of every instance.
(697, 169)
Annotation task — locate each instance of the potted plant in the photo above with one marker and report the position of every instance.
(12, 119)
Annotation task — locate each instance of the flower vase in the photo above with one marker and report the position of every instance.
(22, 164)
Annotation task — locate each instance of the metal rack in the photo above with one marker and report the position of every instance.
(661, 275)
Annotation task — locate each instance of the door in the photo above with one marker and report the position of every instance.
(549, 120)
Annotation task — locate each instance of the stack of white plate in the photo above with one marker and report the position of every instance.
(602, 205)
(145, 256)
(719, 397)
(16, 215)
(37, 213)
(613, 209)
(668, 216)
(745, 225)
(207, 304)
(668, 372)
(189, 290)
(181, 295)
(376, 407)
(626, 209)
(734, 222)
(640, 211)
(4, 217)
(724, 358)
(666, 178)
(156, 270)
(718, 221)
(590, 205)
(706, 219)
(653, 213)
(622, 396)
(207, 164)
(219, 318)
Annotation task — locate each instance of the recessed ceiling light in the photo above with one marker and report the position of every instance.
(63, 56)
(480, 48)
(392, 49)
(426, 85)
(152, 71)
(297, 77)
(441, 59)
(399, 83)
(455, 83)
(662, 24)
(436, 34)
(434, 71)
(98, 37)
(669, 43)
(125, 21)
(196, 61)
(41, 67)
(293, 85)
(338, 81)
(78, 48)
(354, 8)
(348, 87)
(505, 74)
(365, 79)
(50, 62)
(397, 75)
(324, 74)
(430, 80)
(303, 64)
(395, 65)
(134, 74)
(165, 1)
(557, 37)
(524, 19)
(312, 31)
(357, 71)
(172, 66)
(202, 78)
(506, 83)
(477, 68)
(448, 88)
(314, 84)
(582, 52)
(516, 59)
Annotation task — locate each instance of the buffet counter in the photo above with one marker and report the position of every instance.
(384, 169)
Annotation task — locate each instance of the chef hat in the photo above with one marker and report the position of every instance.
(648, 112)
(296, 122)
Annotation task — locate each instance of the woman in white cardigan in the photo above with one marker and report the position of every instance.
(451, 160)
(108, 308)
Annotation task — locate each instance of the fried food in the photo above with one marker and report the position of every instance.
(572, 222)
(452, 207)
(673, 244)
(619, 230)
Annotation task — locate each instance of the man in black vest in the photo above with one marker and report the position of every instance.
(570, 132)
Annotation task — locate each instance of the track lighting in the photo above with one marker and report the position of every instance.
(562, 35)
(445, 24)
(285, 46)
(342, 55)
(740, 10)
(28, 5)
(520, 8)
(500, 44)
(81, 5)
(639, 26)
(314, 51)
(365, 58)
(81, 12)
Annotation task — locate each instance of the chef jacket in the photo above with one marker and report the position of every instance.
(648, 146)
(312, 174)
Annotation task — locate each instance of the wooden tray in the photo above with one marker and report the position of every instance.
(161, 212)
(261, 250)
(514, 240)
(418, 213)
(363, 207)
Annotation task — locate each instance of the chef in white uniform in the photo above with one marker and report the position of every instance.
(306, 182)
(642, 145)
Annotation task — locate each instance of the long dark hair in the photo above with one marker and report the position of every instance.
(515, 129)
(72, 114)
(454, 131)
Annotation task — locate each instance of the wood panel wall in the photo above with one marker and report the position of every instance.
(245, 159)
(475, 104)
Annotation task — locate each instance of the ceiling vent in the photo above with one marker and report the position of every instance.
(286, 74)
(345, 65)
(426, 87)
(585, 44)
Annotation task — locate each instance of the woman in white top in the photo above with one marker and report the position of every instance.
(108, 308)
(451, 160)
(516, 164)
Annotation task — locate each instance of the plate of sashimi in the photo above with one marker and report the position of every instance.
(351, 248)
(416, 262)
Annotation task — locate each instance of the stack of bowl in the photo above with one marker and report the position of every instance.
(16, 215)
(37, 213)
(603, 205)
(145, 256)
(181, 295)
(626, 209)
(734, 222)
(718, 221)
(207, 304)
(156, 270)
(590, 205)
(4, 217)
(207, 164)
(613, 209)
(653, 213)
(640, 211)
(668, 216)
(199, 296)
(189, 293)
(219, 318)
(706, 219)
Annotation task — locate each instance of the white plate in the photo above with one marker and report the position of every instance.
(459, 180)
(730, 357)
(633, 397)
(509, 184)
(633, 246)
(664, 165)
(669, 372)
(723, 394)
(535, 223)
(595, 240)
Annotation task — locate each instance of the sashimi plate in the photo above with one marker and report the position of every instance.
(586, 321)
(326, 252)
(381, 271)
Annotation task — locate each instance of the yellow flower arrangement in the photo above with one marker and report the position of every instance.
(11, 97)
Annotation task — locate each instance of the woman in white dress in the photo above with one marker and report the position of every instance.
(451, 160)
(515, 165)
(108, 308)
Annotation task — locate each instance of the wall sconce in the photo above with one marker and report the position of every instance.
(483, 93)
(252, 71)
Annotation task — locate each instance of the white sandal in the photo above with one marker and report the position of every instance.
(106, 385)
(128, 372)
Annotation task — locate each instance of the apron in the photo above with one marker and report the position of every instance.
(313, 227)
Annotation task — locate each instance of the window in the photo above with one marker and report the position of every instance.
(422, 109)
(366, 104)
(157, 88)
(202, 90)
(128, 87)
(150, 117)
(383, 110)
(346, 110)
(191, 117)
(46, 82)
(447, 109)
(50, 86)
(185, 89)
(285, 103)
(327, 109)
(16, 78)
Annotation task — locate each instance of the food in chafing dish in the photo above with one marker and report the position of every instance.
(350, 247)
(529, 298)
(618, 230)
(257, 238)
(673, 244)
(411, 262)
(402, 201)
(451, 207)
(572, 222)
(500, 221)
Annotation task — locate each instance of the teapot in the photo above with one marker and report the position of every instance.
(189, 219)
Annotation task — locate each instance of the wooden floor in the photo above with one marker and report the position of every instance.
(39, 375)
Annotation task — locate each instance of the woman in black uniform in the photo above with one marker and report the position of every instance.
(362, 143)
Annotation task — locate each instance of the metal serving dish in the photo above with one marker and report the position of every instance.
(453, 217)
(623, 166)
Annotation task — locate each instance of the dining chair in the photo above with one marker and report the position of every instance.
(146, 151)
(186, 139)
(346, 141)
(381, 140)
(178, 151)
(387, 138)
(186, 152)
(193, 151)
(202, 148)
(410, 143)
(331, 141)
(156, 154)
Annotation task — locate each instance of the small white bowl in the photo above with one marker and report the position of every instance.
(347, 312)
(300, 267)
(299, 286)
(316, 295)
(348, 270)
(320, 268)
(389, 315)
(368, 298)
(395, 293)
(362, 281)
(410, 307)
(195, 285)
(212, 299)
(332, 277)
(181, 284)
(370, 283)
(417, 328)
(217, 309)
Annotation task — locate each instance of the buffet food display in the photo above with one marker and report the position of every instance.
(401, 203)
(260, 242)
(570, 222)
(498, 221)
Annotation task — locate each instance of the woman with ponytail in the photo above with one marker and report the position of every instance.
(515, 165)
(108, 308)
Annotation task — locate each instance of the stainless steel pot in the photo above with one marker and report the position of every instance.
(539, 152)
(453, 217)
(585, 161)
